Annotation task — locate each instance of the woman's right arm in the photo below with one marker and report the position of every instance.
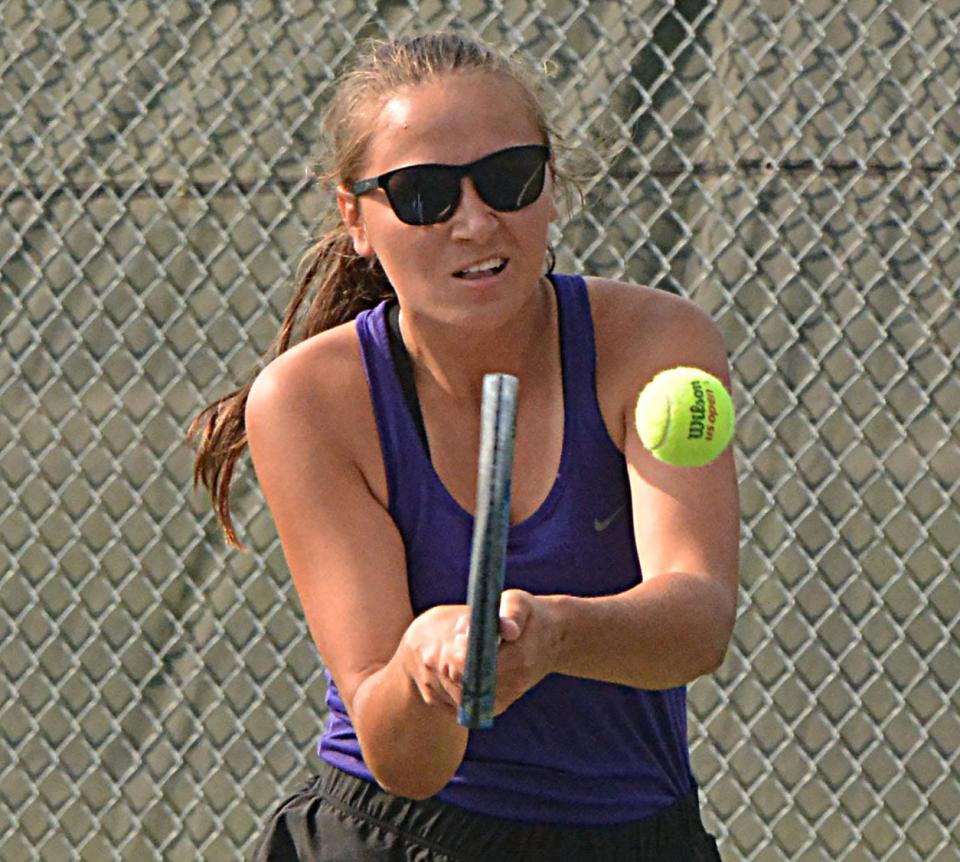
(397, 675)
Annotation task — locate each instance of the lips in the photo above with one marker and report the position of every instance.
(492, 265)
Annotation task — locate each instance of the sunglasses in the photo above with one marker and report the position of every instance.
(507, 180)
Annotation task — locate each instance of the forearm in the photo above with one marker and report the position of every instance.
(659, 634)
(412, 747)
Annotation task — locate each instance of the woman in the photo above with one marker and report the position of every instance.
(364, 437)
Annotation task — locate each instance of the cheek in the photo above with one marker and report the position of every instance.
(404, 250)
(386, 234)
(537, 230)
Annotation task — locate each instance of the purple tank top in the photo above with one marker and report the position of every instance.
(570, 750)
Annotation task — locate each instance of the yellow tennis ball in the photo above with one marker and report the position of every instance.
(685, 417)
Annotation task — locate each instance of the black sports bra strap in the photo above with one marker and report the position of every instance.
(401, 360)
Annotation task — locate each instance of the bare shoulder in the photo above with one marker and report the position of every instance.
(314, 394)
(641, 330)
(320, 372)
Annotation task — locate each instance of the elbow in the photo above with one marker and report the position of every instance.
(415, 760)
(416, 792)
(706, 658)
(714, 658)
(413, 773)
(409, 783)
(716, 645)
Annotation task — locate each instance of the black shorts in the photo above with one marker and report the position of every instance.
(335, 817)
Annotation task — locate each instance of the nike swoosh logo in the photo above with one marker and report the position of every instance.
(601, 525)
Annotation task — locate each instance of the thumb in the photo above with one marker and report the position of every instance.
(514, 612)
(509, 629)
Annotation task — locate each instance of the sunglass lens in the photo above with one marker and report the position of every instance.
(512, 179)
(424, 194)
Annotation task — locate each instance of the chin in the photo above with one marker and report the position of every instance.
(495, 307)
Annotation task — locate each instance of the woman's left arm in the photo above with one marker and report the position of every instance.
(676, 624)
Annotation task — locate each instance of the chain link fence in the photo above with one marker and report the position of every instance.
(792, 167)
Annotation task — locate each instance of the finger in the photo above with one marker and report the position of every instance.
(435, 693)
(428, 678)
(455, 657)
(452, 691)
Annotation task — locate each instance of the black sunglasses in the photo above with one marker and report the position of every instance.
(506, 180)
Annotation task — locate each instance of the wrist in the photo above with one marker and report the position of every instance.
(559, 610)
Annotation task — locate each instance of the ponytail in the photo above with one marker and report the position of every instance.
(345, 284)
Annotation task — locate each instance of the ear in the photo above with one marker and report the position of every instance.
(554, 213)
(349, 207)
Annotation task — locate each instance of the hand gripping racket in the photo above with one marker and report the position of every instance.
(498, 420)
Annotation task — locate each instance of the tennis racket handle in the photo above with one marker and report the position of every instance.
(489, 549)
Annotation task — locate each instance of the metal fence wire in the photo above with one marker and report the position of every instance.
(792, 167)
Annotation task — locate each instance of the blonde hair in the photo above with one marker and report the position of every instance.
(342, 283)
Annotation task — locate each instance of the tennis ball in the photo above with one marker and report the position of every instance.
(685, 417)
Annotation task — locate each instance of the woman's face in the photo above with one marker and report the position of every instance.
(456, 119)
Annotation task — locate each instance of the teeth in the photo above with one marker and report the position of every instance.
(492, 263)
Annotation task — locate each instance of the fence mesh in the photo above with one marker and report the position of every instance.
(792, 167)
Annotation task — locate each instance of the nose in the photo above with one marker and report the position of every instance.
(472, 218)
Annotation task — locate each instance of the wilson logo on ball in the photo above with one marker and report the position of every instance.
(703, 412)
(684, 416)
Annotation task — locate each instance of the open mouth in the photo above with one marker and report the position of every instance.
(483, 269)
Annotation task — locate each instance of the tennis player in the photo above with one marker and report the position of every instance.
(621, 571)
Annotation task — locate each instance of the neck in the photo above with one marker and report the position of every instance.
(455, 358)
